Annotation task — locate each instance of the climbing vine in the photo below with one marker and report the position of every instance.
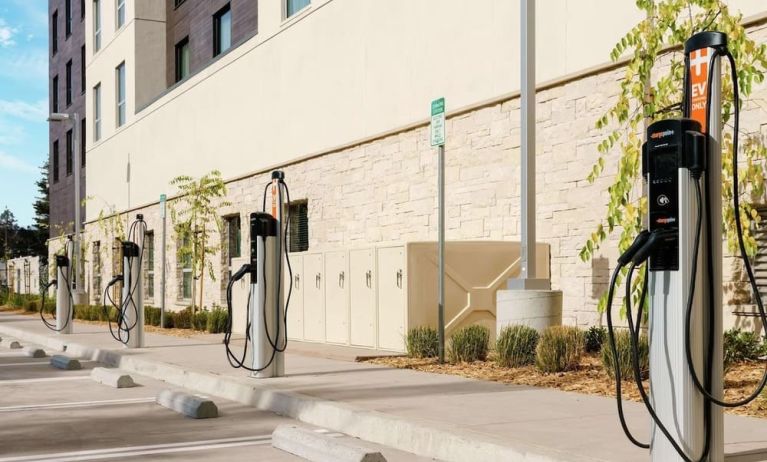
(651, 89)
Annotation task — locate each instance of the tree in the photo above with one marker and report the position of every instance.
(195, 220)
(653, 43)
(8, 231)
(42, 204)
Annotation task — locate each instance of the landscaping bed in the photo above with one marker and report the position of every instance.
(589, 378)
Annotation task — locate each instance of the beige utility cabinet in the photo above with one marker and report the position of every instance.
(363, 299)
(336, 298)
(296, 307)
(391, 298)
(313, 281)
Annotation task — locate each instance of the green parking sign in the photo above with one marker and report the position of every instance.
(438, 122)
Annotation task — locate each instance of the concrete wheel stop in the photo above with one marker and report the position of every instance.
(318, 447)
(10, 343)
(194, 406)
(115, 378)
(66, 363)
(34, 352)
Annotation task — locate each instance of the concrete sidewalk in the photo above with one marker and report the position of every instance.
(440, 416)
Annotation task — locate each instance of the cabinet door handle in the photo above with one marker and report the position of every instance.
(399, 279)
(297, 279)
(341, 277)
(317, 280)
(369, 279)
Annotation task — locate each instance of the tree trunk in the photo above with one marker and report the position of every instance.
(202, 268)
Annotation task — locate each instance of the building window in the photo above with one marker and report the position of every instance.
(83, 127)
(82, 69)
(186, 273)
(222, 30)
(149, 265)
(294, 6)
(96, 25)
(70, 145)
(55, 32)
(120, 13)
(97, 112)
(234, 237)
(177, 3)
(96, 259)
(68, 17)
(182, 59)
(298, 233)
(82, 10)
(55, 94)
(68, 81)
(56, 161)
(120, 78)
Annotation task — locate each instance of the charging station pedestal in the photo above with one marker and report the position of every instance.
(675, 398)
(274, 261)
(63, 301)
(132, 305)
(264, 313)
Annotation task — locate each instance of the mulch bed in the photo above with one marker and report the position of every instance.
(589, 378)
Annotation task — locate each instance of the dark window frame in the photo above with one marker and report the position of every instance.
(217, 29)
(184, 42)
(82, 70)
(68, 18)
(55, 163)
(82, 10)
(55, 32)
(298, 233)
(55, 94)
(178, 3)
(68, 82)
(83, 138)
(70, 148)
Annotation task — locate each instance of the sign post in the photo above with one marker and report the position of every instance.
(163, 199)
(438, 140)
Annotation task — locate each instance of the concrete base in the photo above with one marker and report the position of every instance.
(538, 309)
(66, 363)
(116, 378)
(33, 352)
(196, 407)
(316, 447)
(528, 284)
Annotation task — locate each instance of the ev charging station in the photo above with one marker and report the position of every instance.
(64, 301)
(130, 311)
(266, 327)
(681, 251)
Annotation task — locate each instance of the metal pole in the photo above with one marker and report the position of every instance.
(527, 192)
(162, 270)
(441, 252)
(78, 224)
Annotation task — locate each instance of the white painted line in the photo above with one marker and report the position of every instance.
(25, 364)
(134, 451)
(75, 404)
(44, 379)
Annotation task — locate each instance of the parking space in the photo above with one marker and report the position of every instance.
(48, 414)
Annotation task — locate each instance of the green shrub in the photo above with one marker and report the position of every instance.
(422, 342)
(623, 346)
(31, 306)
(469, 344)
(183, 319)
(217, 320)
(595, 338)
(200, 320)
(516, 346)
(17, 300)
(559, 349)
(742, 346)
(169, 320)
(152, 315)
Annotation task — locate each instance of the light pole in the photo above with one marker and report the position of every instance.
(74, 119)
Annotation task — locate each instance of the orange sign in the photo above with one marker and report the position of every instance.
(699, 67)
(275, 198)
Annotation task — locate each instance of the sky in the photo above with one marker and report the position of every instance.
(23, 103)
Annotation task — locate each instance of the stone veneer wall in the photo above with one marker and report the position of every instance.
(384, 190)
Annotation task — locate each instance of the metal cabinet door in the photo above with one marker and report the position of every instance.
(313, 281)
(391, 298)
(296, 307)
(362, 284)
(336, 298)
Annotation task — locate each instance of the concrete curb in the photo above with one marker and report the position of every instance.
(115, 378)
(316, 447)
(196, 407)
(435, 440)
(66, 363)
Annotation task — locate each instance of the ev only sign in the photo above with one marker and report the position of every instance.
(438, 122)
